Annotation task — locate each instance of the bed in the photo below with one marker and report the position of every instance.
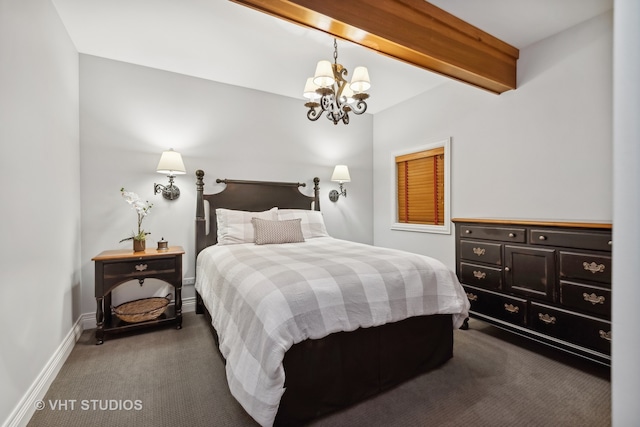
(308, 324)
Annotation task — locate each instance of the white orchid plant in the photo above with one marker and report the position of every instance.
(142, 208)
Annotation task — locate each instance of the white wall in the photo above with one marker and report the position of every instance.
(625, 372)
(129, 114)
(40, 215)
(542, 151)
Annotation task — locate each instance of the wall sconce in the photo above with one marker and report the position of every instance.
(170, 164)
(341, 175)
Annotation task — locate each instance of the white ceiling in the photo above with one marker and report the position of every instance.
(229, 43)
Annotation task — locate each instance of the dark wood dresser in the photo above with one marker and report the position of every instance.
(548, 281)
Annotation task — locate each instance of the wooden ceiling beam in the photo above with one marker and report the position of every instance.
(413, 31)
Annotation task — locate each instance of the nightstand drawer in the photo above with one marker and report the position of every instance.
(596, 268)
(493, 233)
(481, 276)
(585, 298)
(490, 253)
(508, 309)
(572, 239)
(572, 327)
(140, 268)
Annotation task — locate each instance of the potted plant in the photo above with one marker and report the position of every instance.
(142, 208)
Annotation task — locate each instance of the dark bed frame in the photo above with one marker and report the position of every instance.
(328, 374)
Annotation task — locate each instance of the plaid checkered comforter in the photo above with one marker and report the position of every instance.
(265, 298)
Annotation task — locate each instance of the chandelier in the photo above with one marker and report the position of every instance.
(328, 91)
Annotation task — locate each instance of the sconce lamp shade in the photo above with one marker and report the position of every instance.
(171, 163)
(341, 174)
(360, 81)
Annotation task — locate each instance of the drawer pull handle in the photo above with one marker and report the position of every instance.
(593, 267)
(605, 335)
(472, 297)
(467, 231)
(610, 243)
(549, 320)
(541, 237)
(511, 308)
(507, 269)
(141, 267)
(593, 298)
(479, 274)
(479, 251)
(512, 235)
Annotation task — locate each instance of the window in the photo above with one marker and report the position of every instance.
(421, 189)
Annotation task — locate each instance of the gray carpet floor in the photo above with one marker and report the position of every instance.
(169, 377)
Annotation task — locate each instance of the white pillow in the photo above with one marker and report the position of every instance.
(312, 221)
(274, 232)
(235, 226)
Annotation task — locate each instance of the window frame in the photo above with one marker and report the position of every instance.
(423, 228)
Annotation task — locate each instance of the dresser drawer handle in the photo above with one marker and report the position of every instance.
(507, 269)
(549, 320)
(141, 267)
(610, 243)
(479, 251)
(605, 335)
(512, 235)
(593, 267)
(541, 237)
(511, 308)
(593, 298)
(479, 275)
(467, 231)
(472, 297)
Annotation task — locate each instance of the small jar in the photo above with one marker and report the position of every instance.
(163, 245)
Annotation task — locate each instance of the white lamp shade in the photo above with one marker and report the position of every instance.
(310, 90)
(324, 74)
(360, 81)
(341, 174)
(347, 93)
(171, 163)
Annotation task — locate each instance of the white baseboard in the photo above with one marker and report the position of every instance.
(24, 410)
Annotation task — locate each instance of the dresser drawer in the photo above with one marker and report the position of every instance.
(507, 234)
(585, 298)
(595, 268)
(508, 309)
(481, 276)
(140, 268)
(571, 239)
(572, 327)
(490, 253)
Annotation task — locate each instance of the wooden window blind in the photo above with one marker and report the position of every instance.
(420, 182)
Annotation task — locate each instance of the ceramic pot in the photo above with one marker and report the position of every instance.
(139, 245)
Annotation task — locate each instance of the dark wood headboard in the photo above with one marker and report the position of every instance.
(247, 196)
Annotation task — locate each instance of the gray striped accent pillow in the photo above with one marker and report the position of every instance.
(274, 232)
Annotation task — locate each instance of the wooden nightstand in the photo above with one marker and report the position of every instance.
(115, 267)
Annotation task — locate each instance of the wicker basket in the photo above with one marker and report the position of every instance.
(143, 309)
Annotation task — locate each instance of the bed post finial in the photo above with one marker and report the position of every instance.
(316, 193)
